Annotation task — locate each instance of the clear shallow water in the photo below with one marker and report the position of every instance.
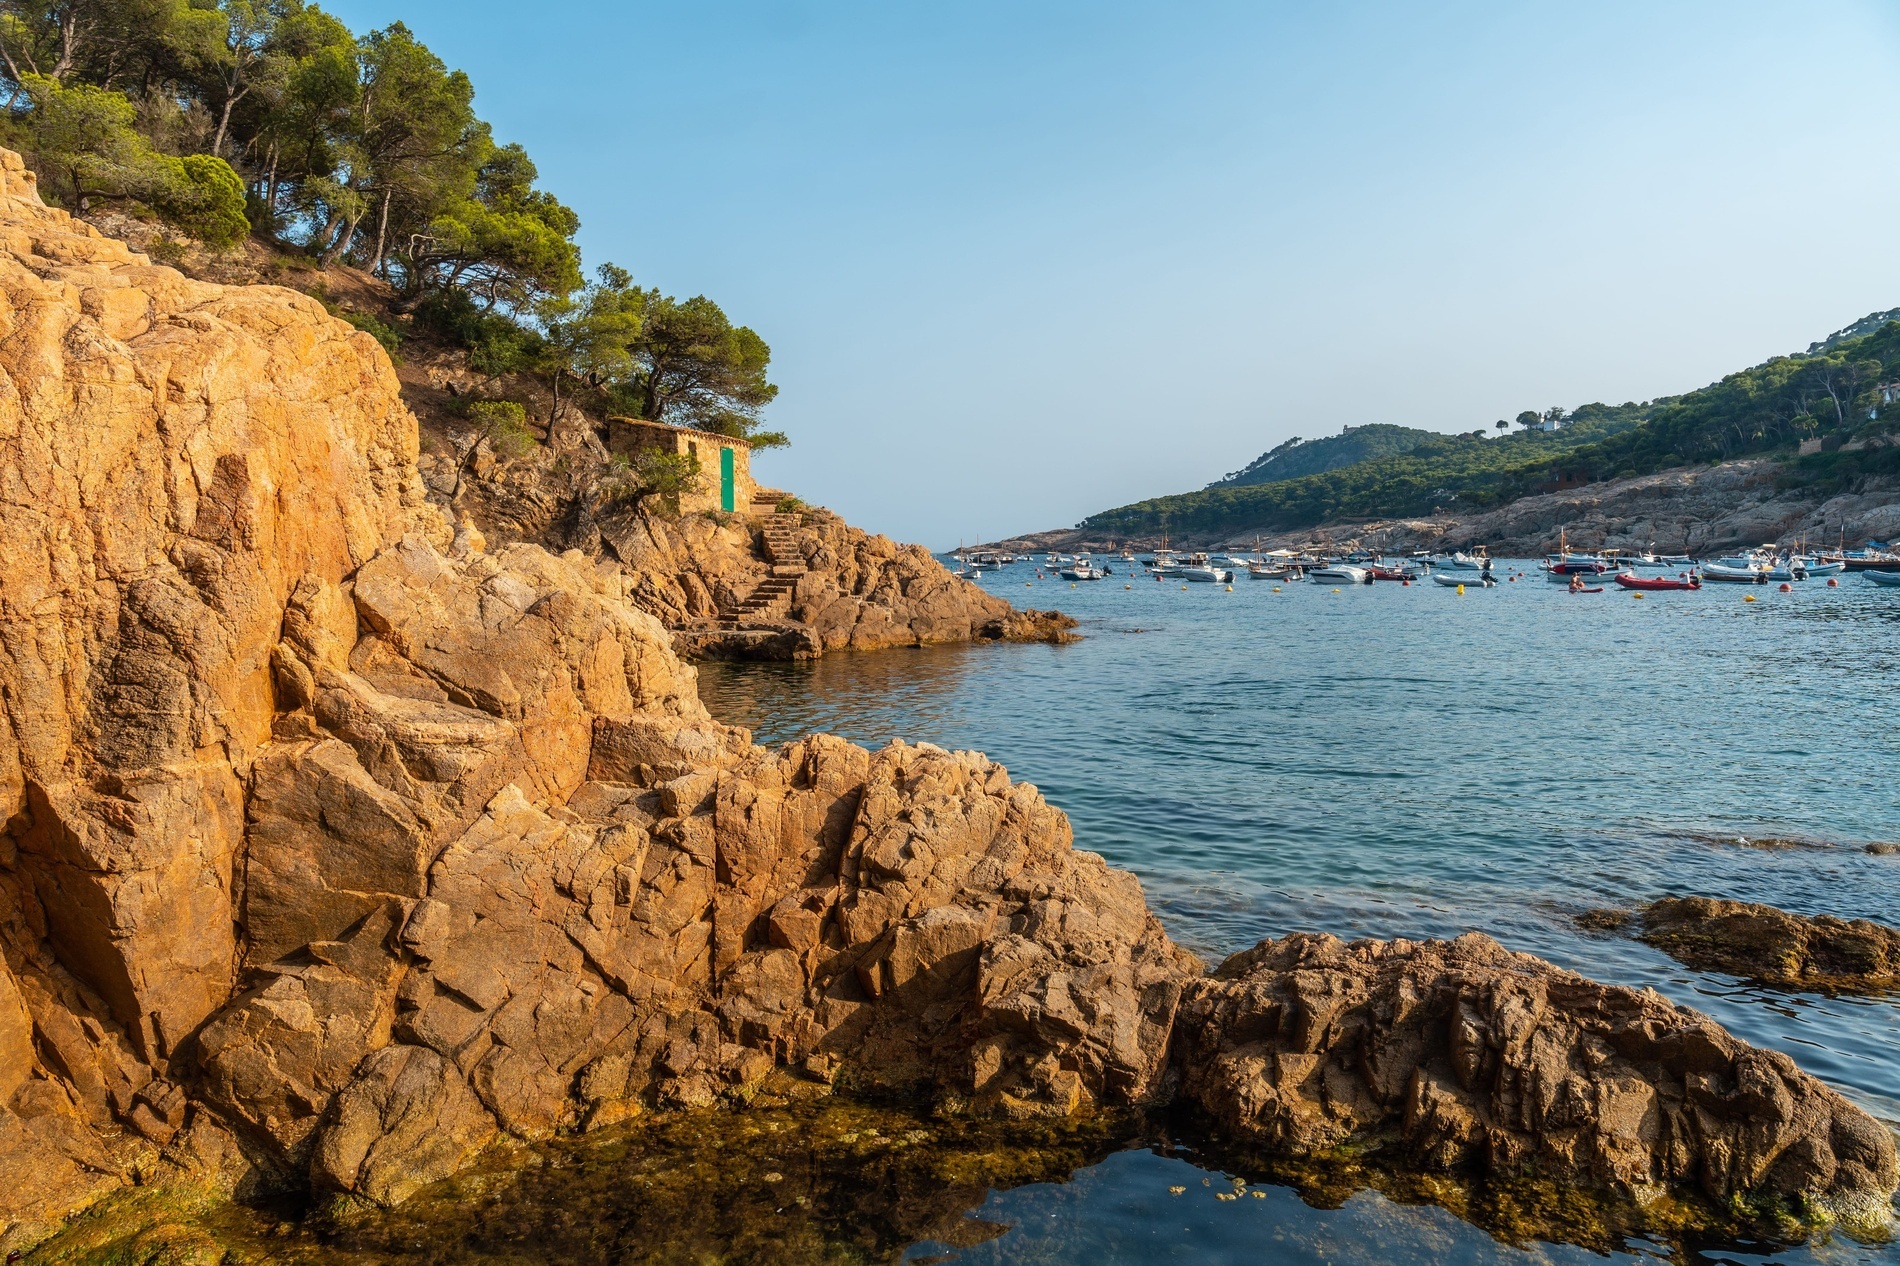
(1390, 761)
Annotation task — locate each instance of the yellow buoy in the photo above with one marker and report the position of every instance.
(1028, 583)
(1230, 589)
(1636, 595)
(1461, 591)
(1128, 586)
(1749, 597)
(1276, 589)
(1071, 586)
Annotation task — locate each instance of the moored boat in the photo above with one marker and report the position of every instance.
(1739, 569)
(1890, 579)
(1654, 584)
(1452, 580)
(1341, 574)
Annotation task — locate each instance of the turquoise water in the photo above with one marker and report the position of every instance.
(1387, 761)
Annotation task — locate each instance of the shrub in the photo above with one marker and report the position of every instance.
(205, 198)
(504, 424)
(496, 345)
(388, 335)
(651, 473)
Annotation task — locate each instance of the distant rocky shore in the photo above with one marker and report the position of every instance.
(341, 850)
(1696, 510)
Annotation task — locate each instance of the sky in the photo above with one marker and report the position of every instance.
(1019, 262)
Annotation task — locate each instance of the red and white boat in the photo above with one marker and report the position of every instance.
(1652, 583)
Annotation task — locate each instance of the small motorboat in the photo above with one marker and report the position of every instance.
(1401, 572)
(1737, 570)
(1460, 562)
(1891, 579)
(1817, 569)
(1207, 574)
(1272, 571)
(1655, 584)
(1477, 580)
(1082, 569)
(1341, 574)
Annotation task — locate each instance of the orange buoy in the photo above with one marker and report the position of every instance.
(1786, 587)
(1832, 583)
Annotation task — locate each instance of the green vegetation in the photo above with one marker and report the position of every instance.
(1448, 471)
(1355, 444)
(225, 118)
(504, 424)
(650, 472)
(1831, 393)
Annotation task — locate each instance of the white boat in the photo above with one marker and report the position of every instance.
(1460, 562)
(1341, 574)
(1452, 580)
(1082, 569)
(1890, 579)
(1740, 569)
(1818, 570)
(1207, 574)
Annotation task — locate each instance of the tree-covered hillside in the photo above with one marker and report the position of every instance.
(1833, 394)
(1443, 471)
(1354, 444)
(234, 119)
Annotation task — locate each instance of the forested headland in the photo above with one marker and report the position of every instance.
(245, 122)
(1840, 392)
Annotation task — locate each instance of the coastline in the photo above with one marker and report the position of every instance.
(365, 849)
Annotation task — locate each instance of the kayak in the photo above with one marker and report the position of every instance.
(1597, 589)
(1629, 581)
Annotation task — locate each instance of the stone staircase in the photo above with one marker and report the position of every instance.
(771, 599)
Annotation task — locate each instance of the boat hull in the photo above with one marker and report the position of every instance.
(1655, 584)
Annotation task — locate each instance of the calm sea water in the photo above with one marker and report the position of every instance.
(1406, 761)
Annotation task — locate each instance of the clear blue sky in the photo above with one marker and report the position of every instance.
(1019, 262)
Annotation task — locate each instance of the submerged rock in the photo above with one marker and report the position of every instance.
(1791, 951)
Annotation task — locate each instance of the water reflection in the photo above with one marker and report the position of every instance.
(836, 1181)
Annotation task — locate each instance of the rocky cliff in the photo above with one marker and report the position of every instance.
(336, 847)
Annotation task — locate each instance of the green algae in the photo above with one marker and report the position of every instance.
(834, 1180)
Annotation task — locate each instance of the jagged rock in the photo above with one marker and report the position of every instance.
(328, 829)
(407, 1119)
(1756, 942)
(858, 591)
(1470, 1055)
(1031, 626)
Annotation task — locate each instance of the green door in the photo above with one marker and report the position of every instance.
(725, 480)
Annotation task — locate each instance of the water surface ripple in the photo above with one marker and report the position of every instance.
(1406, 761)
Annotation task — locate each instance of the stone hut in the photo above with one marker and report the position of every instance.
(725, 464)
